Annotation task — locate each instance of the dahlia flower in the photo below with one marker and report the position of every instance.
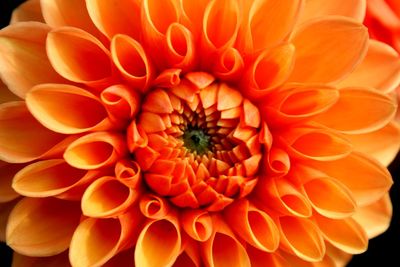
(194, 133)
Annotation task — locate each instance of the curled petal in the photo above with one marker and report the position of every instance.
(95, 150)
(253, 225)
(154, 207)
(132, 61)
(328, 49)
(222, 248)
(27, 11)
(181, 48)
(358, 111)
(345, 234)
(192, 14)
(302, 237)
(7, 173)
(107, 197)
(277, 161)
(22, 138)
(57, 106)
(136, 136)
(24, 62)
(128, 173)
(197, 224)
(260, 258)
(58, 220)
(103, 15)
(340, 257)
(60, 260)
(228, 65)
(159, 237)
(169, 78)
(78, 56)
(96, 241)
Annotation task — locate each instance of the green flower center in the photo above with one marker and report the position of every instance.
(197, 141)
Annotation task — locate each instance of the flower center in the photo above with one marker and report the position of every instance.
(197, 144)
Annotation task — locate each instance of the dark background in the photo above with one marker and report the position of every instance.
(383, 250)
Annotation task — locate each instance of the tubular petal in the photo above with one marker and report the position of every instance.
(380, 69)
(58, 220)
(228, 65)
(302, 237)
(60, 260)
(95, 150)
(107, 197)
(128, 172)
(181, 47)
(253, 225)
(159, 237)
(24, 62)
(193, 12)
(7, 172)
(22, 138)
(277, 161)
(78, 56)
(358, 111)
(345, 234)
(260, 258)
(103, 15)
(197, 224)
(27, 11)
(57, 106)
(169, 78)
(328, 49)
(153, 206)
(136, 137)
(132, 61)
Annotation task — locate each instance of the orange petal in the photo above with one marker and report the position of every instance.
(132, 61)
(27, 11)
(128, 172)
(95, 150)
(349, 8)
(154, 207)
(158, 237)
(57, 106)
(253, 225)
(151, 122)
(197, 224)
(228, 98)
(7, 173)
(359, 110)
(124, 258)
(260, 258)
(103, 15)
(58, 220)
(328, 49)
(136, 136)
(222, 248)
(193, 12)
(5, 210)
(168, 78)
(24, 62)
(157, 101)
(302, 237)
(6, 95)
(380, 69)
(228, 65)
(22, 138)
(78, 56)
(181, 47)
(277, 161)
(368, 180)
(345, 234)
(60, 260)
(96, 241)
(107, 197)
(340, 257)
(375, 218)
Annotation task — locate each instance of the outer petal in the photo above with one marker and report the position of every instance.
(6, 95)
(380, 69)
(197, 224)
(7, 172)
(27, 11)
(58, 220)
(23, 57)
(328, 49)
(60, 260)
(5, 210)
(260, 258)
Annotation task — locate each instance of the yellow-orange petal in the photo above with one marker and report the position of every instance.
(7, 173)
(128, 172)
(107, 197)
(58, 220)
(78, 56)
(159, 237)
(5, 210)
(328, 49)
(197, 224)
(253, 225)
(60, 260)
(192, 14)
(24, 62)
(359, 110)
(22, 138)
(349, 8)
(345, 234)
(228, 65)
(27, 11)
(366, 178)
(96, 241)
(380, 69)
(103, 15)
(375, 218)
(132, 61)
(153, 206)
(223, 248)
(340, 257)
(302, 237)
(277, 161)
(57, 106)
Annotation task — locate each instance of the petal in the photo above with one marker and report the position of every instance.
(103, 15)
(328, 49)
(78, 56)
(375, 218)
(260, 258)
(27, 11)
(22, 138)
(358, 111)
(124, 258)
(380, 69)
(128, 172)
(349, 8)
(228, 65)
(24, 62)
(6, 95)
(60, 260)
(158, 237)
(57, 106)
(95, 150)
(181, 47)
(5, 210)
(197, 224)
(7, 172)
(58, 220)
(153, 206)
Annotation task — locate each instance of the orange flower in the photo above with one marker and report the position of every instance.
(194, 133)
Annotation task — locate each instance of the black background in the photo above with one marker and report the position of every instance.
(383, 250)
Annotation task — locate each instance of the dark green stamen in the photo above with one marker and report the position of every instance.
(196, 141)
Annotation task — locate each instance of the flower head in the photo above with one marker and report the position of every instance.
(194, 133)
